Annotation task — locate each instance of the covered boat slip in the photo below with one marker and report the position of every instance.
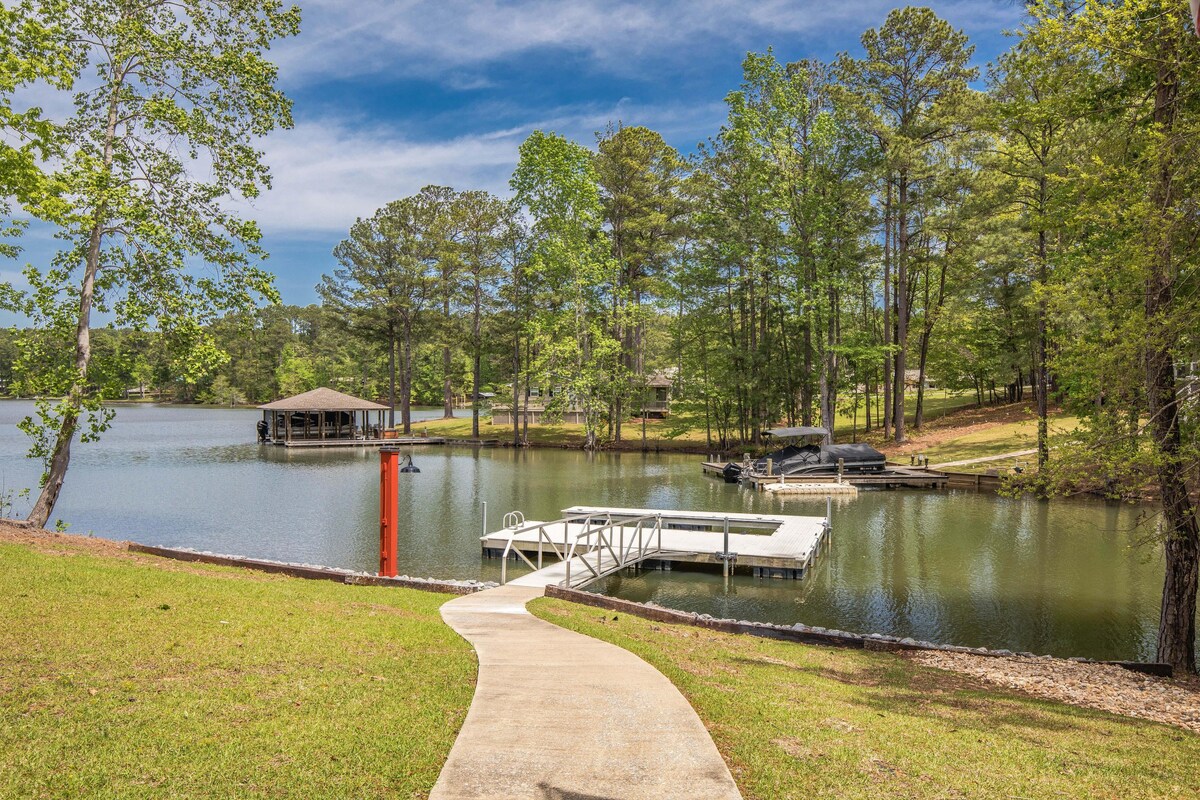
(327, 418)
(609, 539)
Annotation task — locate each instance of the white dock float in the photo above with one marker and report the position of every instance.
(811, 488)
(591, 542)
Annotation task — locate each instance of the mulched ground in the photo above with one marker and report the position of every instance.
(1174, 701)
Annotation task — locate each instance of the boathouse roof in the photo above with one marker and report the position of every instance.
(323, 399)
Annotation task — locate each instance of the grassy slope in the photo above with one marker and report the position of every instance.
(976, 435)
(802, 722)
(123, 677)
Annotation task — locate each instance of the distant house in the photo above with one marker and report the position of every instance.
(913, 376)
(533, 408)
(657, 402)
(467, 400)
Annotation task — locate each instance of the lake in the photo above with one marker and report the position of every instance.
(960, 567)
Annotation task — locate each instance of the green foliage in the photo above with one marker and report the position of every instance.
(572, 275)
(170, 99)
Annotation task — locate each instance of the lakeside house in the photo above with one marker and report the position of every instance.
(654, 404)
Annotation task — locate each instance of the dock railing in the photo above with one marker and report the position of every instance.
(623, 555)
(624, 548)
(516, 520)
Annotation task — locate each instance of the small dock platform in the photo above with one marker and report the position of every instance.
(842, 488)
(362, 442)
(589, 543)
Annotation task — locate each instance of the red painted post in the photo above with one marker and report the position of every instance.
(389, 491)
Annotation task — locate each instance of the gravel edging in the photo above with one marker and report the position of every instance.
(1137, 689)
(312, 571)
(1106, 687)
(811, 634)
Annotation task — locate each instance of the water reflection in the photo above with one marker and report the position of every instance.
(1068, 578)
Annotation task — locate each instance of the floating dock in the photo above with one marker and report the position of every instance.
(894, 476)
(811, 488)
(589, 543)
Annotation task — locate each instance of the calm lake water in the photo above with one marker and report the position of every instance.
(1066, 577)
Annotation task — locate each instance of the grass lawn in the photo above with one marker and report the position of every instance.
(802, 722)
(971, 435)
(127, 676)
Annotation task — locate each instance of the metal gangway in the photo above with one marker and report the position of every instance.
(588, 546)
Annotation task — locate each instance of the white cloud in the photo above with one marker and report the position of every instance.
(329, 172)
(445, 39)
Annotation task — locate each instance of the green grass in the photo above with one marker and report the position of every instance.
(805, 722)
(123, 678)
(1004, 437)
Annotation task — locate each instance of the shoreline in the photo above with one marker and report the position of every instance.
(1127, 688)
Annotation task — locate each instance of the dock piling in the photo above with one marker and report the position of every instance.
(725, 549)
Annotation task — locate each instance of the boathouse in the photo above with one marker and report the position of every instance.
(323, 415)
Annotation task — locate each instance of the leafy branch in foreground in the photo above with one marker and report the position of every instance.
(166, 93)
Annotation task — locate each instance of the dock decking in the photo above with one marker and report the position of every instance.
(362, 442)
(768, 545)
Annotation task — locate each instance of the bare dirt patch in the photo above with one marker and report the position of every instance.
(70, 544)
(52, 542)
(1101, 686)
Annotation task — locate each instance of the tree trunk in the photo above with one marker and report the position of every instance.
(922, 357)
(56, 471)
(447, 385)
(392, 374)
(406, 380)
(516, 387)
(829, 367)
(476, 346)
(1177, 620)
(887, 312)
(901, 306)
(1043, 373)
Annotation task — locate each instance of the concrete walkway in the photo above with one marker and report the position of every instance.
(561, 716)
(982, 459)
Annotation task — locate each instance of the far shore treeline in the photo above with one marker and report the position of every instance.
(855, 230)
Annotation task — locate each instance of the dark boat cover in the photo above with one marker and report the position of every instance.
(856, 454)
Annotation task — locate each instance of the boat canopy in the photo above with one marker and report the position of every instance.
(787, 433)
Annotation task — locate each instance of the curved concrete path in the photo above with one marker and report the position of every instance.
(561, 716)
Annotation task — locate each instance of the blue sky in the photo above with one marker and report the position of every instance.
(391, 96)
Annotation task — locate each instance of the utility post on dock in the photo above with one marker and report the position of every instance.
(727, 558)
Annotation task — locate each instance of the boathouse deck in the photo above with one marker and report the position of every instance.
(302, 443)
(766, 545)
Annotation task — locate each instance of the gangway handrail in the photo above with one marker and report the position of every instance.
(605, 542)
(593, 538)
(543, 537)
